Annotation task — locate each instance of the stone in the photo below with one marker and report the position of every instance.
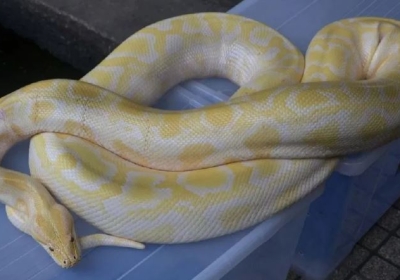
(378, 269)
(356, 257)
(357, 277)
(340, 273)
(390, 220)
(374, 237)
(391, 250)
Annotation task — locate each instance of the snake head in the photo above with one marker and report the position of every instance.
(55, 232)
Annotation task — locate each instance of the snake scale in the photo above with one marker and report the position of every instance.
(150, 175)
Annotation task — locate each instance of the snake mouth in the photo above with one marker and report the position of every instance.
(67, 265)
(69, 262)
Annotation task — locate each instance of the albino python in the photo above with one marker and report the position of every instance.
(145, 174)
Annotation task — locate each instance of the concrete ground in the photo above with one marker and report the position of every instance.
(376, 256)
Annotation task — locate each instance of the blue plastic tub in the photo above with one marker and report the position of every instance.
(363, 186)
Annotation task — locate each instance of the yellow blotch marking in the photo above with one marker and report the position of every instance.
(42, 110)
(230, 217)
(267, 168)
(15, 181)
(156, 233)
(17, 130)
(321, 70)
(143, 45)
(255, 141)
(6, 137)
(154, 40)
(340, 33)
(259, 36)
(141, 190)
(44, 86)
(195, 25)
(278, 43)
(67, 161)
(213, 178)
(369, 130)
(187, 153)
(287, 197)
(215, 25)
(21, 206)
(104, 78)
(171, 125)
(230, 26)
(45, 226)
(62, 136)
(305, 99)
(222, 119)
(125, 150)
(39, 143)
(94, 166)
(73, 127)
(329, 132)
(278, 109)
(129, 111)
(179, 193)
(87, 91)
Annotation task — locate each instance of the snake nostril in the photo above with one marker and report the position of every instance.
(74, 257)
(65, 262)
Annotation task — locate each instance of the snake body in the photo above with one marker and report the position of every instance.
(140, 173)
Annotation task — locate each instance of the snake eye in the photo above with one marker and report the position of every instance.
(51, 249)
(72, 239)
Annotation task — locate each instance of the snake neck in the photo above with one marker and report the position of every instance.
(22, 192)
(20, 120)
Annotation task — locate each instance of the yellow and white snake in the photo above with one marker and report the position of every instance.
(145, 174)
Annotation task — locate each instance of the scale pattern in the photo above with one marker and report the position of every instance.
(179, 176)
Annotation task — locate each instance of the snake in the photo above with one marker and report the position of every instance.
(141, 174)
